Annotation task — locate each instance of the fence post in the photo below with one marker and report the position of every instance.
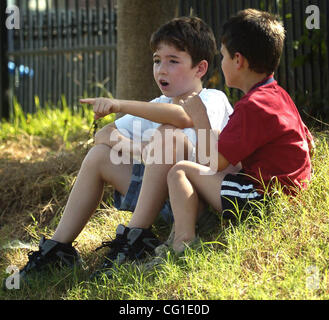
(4, 77)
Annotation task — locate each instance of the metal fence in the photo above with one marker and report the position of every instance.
(64, 50)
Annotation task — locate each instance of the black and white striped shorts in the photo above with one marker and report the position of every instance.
(237, 194)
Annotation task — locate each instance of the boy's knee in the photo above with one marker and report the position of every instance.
(176, 171)
(97, 155)
(101, 137)
(106, 134)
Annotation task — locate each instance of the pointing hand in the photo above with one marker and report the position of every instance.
(102, 106)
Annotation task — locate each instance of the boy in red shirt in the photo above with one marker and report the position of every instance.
(265, 132)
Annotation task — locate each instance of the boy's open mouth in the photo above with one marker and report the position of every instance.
(163, 83)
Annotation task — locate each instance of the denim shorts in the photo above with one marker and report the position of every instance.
(128, 202)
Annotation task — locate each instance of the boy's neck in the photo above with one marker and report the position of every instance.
(250, 79)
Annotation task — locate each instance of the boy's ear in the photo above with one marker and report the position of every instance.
(202, 68)
(240, 60)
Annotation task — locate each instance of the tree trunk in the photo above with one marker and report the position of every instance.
(137, 20)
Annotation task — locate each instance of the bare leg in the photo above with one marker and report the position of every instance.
(88, 189)
(186, 186)
(154, 190)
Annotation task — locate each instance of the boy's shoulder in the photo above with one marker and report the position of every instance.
(214, 96)
(215, 93)
(162, 99)
(205, 92)
(270, 105)
(206, 95)
(270, 97)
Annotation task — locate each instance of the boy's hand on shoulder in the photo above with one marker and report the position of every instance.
(192, 105)
(102, 106)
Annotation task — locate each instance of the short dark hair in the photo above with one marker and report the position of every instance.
(258, 36)
(190, 34)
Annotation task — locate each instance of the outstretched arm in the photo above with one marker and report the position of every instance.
(165, 113)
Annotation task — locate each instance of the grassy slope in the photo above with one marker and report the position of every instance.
(282, 255)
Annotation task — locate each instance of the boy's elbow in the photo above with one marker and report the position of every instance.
(222, 167)
(222, 162)
(183, 122)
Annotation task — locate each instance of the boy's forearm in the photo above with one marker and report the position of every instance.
(201, 122)
(165, 113)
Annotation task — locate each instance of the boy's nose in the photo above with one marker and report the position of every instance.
(162, 69)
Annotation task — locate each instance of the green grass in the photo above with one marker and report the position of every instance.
(282, 254)
(59, 126)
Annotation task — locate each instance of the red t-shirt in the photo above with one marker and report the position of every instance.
(266, 133)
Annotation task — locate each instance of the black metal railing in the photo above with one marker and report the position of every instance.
(64, 50)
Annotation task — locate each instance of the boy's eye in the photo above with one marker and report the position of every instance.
(173, 61)
(156, 61)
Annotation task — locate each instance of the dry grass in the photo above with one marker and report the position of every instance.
(34, 181)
